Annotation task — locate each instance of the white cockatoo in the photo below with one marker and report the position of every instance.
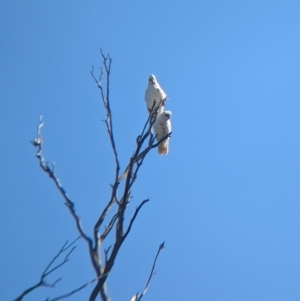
(155, 93)
(162, 127)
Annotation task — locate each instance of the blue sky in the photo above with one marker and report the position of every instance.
(225, 199)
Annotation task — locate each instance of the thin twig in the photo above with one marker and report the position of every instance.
(45, 273)
(72, 292)
(134, 217)
(59, 265)
(100, 221)
(106, 253)
(152, 273)
(108, 228)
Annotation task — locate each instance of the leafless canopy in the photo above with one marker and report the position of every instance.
(145, 141)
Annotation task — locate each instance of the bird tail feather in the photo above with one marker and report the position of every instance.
(163, 148)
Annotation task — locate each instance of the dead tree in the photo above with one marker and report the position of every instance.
(123, 182)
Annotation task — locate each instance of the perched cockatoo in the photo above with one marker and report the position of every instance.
(161, 128)
(155, 93)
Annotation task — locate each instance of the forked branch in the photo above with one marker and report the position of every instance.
(37, 142)
(109, 126)
(50, 269)
(49, 170)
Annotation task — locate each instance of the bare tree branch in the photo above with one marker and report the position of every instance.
(110, 262)
(106, 253)
(49, 170)
(161, 246)
(109, 126)
(138, 297)
(100, 221)
(134, 217)
(109, 227)
(72, 292)
(37, 142)
(46, 272)
(63, 248)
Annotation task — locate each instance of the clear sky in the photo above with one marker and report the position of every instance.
(225, 200)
